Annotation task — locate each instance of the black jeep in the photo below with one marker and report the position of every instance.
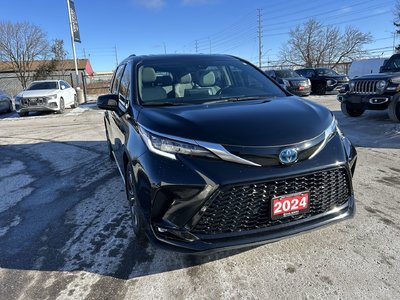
(374, 91)
(324, 80)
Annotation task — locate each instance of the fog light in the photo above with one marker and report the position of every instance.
(53, 104)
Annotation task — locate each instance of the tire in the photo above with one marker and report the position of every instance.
(62, 106)
(394, 109)
(76, 103)
(350, 110)
(320, 89)
(10, 108)
(22, 114)
(136, 216)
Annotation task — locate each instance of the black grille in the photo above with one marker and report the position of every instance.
(248, 207)
(365, 86)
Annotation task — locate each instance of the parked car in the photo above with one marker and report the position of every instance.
(324, 80)
(46, 95)
(377, 91)
(6, 102)
(365, 66)
(215, 155)
(291, 81)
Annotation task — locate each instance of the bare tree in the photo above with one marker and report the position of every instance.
(313, 44)
(57, 63)
(397, 21)
(20, 45)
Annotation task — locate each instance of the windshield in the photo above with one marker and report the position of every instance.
(393, 64)
(325, 72)
(186, 82)
(49, 85)
(286, 74)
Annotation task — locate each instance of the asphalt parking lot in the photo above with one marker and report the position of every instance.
(65, 231)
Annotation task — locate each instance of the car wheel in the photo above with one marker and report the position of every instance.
(22, 114)
(10, 108)
(394, 109)
(62, 106)
(76, 103)
(136, 216)
(351, 110)
(320, 90)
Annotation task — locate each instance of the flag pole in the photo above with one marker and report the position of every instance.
(73, 43)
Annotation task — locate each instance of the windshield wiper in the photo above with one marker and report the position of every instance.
(235, 99)
(157, 103)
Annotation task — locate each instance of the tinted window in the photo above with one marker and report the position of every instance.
(49, 85)
(202, 81)
(286, 74)
(117, 79)
(393, 64)
(66, 84)
(124, 87)
(325, 72)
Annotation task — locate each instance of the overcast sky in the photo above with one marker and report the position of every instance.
(222, 26)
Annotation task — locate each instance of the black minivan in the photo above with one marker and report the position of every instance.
(215, 155)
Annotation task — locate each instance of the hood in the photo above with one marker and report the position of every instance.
(296, 79)
(37, 93)
(378, 76)
(281, 121)
(337, 77)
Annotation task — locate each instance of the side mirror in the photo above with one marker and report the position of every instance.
(108, 102)
(63, 87)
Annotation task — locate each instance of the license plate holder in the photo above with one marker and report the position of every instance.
(290, 205)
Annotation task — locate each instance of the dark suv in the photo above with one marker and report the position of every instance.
(374, 92)
(215, 155)
(324, 80)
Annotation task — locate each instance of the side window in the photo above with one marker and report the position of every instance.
(66, 84)
(117, 79)
(124, 87)
(310, 73)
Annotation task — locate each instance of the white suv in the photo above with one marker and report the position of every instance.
(46, 95)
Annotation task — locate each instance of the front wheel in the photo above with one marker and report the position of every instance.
(394, 109)
(10, 108)
(62, 106)
(351, 110)
(136, 216)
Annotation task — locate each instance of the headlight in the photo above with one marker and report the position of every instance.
(51, 97)
(286, 82)
(169, 148)
(329, 133)
(351, 85)
(395, 80)
(331, 82)
(381, 85)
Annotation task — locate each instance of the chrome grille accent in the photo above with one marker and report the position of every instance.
(365, 86)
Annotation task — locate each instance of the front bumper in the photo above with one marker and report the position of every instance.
(37, 108)
(173, 195)
(367, 101)
(256, 237)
